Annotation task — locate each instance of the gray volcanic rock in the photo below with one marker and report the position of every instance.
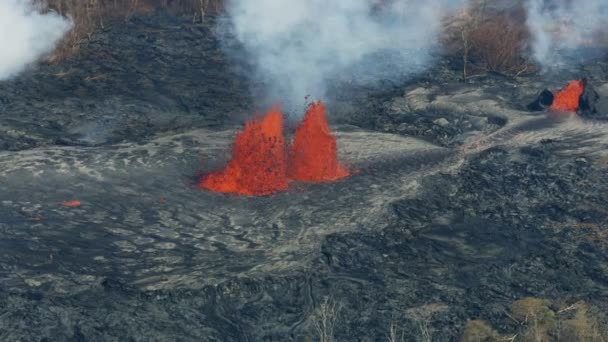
(460, 202)
(598, 97)
(510, 224)
(421, 234)
(188, 263)
(153, 74)
(588, 103)
(543, 101)
(444, 118)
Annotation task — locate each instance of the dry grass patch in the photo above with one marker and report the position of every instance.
(479, 331)
(538, 320)
(535, 317)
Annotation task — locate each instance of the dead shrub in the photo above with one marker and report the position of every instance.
(581, 325)
(536, 317)
(488, 41)
(194, 7)
(500, 46)
(538, 320)
(479, 331)
(87, 16)
(325, 317)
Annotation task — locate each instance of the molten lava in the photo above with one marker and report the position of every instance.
(567, 99)
(313, 155)
(71, 204)
(258, 165)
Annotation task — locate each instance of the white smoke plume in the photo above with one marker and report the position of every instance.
(26, 35)
(299, 45)
(560, 28)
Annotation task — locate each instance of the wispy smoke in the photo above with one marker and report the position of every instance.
(26, 34)
(299, 45)
(560, 28)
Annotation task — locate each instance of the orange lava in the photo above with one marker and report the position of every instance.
(258, 165)
(72, 204)
(313, 155)
(567, 99)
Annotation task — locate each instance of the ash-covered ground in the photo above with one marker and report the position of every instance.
(461, 202)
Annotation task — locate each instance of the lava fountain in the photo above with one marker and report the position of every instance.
(258, 166)
(567, 99)
(313, 154)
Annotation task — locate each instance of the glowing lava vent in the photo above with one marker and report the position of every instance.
(258, 165)
(567, 99)
(313, 155)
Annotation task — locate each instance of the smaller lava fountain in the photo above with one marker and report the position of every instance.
(260, 164)
(577, 97)
(313, 156)
(567, 99)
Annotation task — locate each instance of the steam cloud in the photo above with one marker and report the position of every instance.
(299, 45)
(561, 27)
(26, 34)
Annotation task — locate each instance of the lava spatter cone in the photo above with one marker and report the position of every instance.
(258, 165)
(567, 99)
(313, 154)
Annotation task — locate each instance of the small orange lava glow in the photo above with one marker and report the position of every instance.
(567, 99)
(313, 154)
(72, 204)
(258, 166)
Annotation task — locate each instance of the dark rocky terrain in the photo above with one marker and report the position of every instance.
(463, 202)
(150, 75)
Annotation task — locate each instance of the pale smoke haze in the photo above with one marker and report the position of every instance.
(26, 35)
(298, 45)
(561, 27)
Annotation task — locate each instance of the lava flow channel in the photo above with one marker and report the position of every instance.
(313, 155)
(567, 99)
(258, 166)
